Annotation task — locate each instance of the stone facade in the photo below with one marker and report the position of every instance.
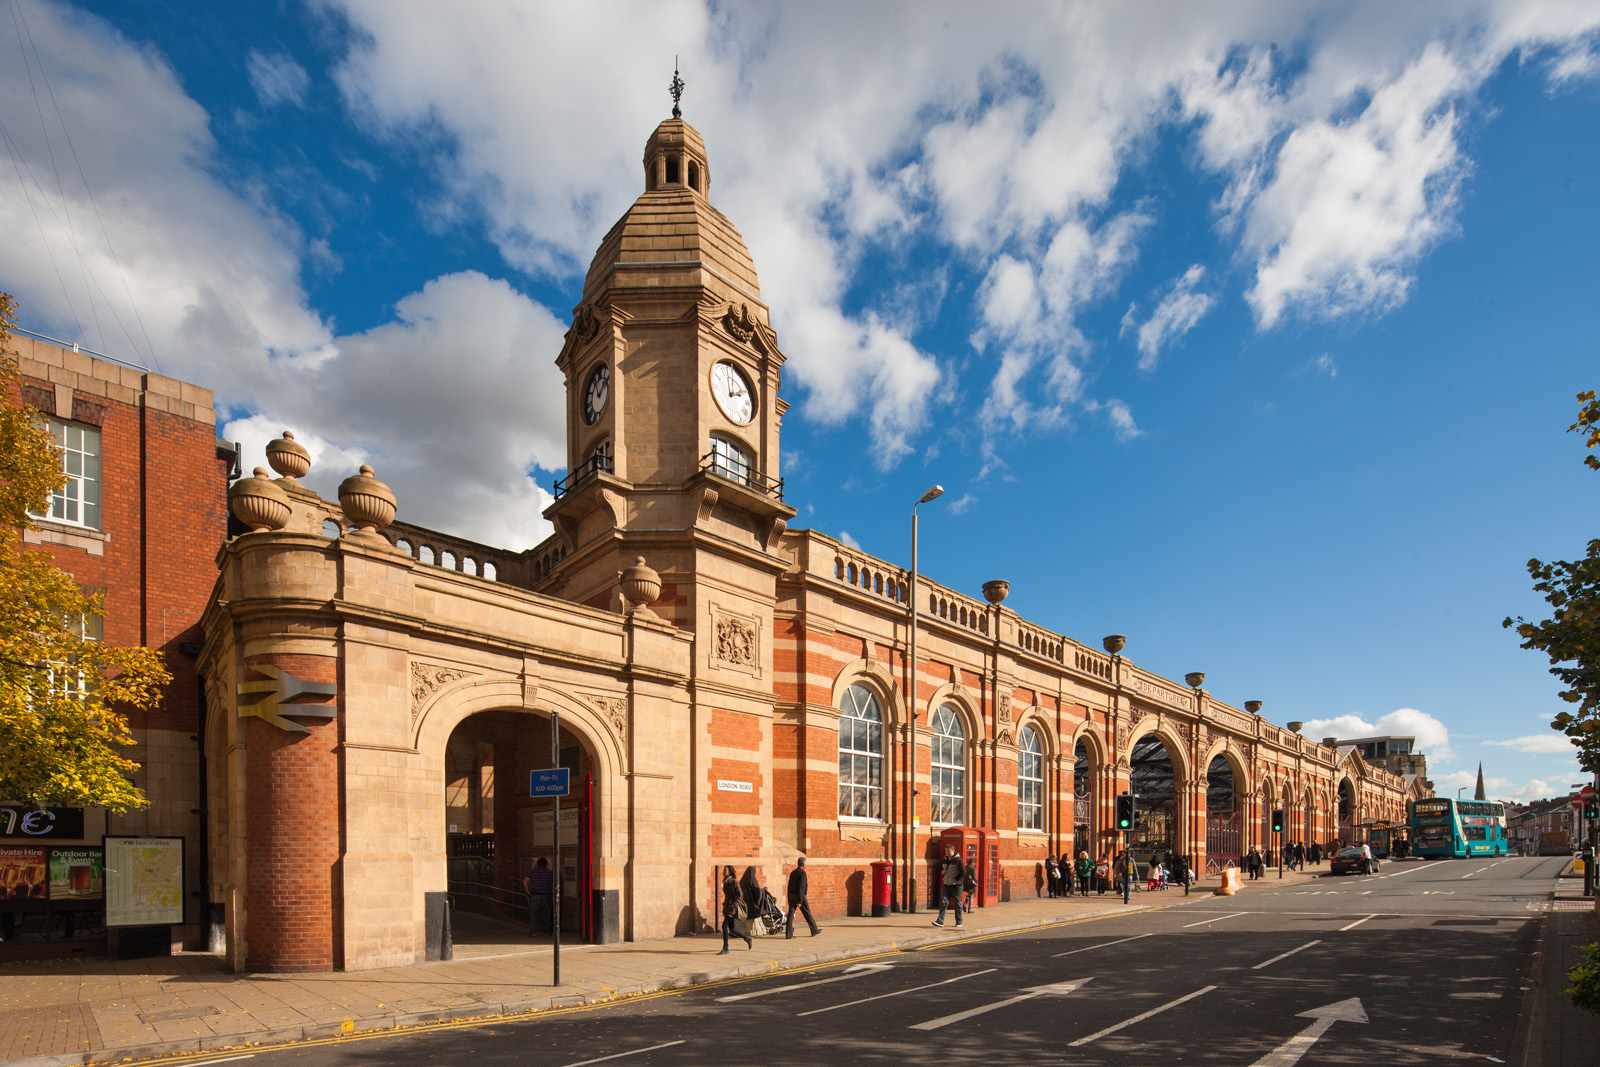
(702, 728)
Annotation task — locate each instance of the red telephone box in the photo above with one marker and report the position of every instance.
(981, 848)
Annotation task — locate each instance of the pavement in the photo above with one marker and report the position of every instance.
(63, 1012)
(1556, 1033)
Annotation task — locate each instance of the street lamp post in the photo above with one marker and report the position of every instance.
(1114, 644)
(933, 493)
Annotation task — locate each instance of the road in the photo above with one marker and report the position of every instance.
(1422, 963)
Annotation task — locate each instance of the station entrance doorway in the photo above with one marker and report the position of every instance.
(1224, 817)
(494, 831)
(1155, 829)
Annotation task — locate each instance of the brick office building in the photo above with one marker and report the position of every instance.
(729, 690)
(140, 519)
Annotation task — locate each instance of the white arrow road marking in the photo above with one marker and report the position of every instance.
(1059, 989)
(1355, 924)
(1098, 1034)
(1103, 944)
(619, 1055)
(1286, 955)
(1288, 1054)
(860, 970)
(896, 993)
(1218, 919)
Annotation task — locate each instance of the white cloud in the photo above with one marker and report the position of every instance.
(1119, 416)
(1433, 737)
(277, 79)
(962, 504)
(1502, 789)
(1547, 744)
(844, 537)
(1324, 364)
(1180, 309)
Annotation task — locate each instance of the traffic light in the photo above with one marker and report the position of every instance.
(1125, 812)
(1277, 820)
(1591, 810)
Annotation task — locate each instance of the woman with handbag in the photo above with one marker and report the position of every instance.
(733, 910)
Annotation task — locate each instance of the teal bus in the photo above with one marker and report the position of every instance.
(1442, 828)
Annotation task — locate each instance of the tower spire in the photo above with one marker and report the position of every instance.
(676, 89)
(1479, 795)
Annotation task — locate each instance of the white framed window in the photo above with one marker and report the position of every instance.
(62, 678)
(949, 766)
(860, 755)
(78, 502)
(1030, 780)
(730, 459)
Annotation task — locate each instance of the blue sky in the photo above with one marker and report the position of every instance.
(1250, 332)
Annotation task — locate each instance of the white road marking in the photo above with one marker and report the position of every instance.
(1357, 923)
(860, 970)
(1218, 919)
(1103, 944)
(1288, 1054)
(1058, 988)
(896, 993)
(1366, 892)
(1286, 955)
(1098, 1034)
(1480, 870)
(619, 1055)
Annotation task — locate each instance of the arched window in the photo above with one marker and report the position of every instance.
(860, 755)
(949, 766)
(730, 459)
(1030, 780)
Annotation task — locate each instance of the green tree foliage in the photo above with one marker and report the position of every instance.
(1585, 979)
(63, 697)
(1571, 636)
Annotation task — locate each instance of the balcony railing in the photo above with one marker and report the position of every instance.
(744, 474)
(600, 461)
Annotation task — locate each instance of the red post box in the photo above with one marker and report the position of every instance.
(882, 888)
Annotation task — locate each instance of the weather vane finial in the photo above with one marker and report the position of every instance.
(676, 89)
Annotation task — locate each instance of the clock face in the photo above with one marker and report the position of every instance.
(595, 393)
(733, 391)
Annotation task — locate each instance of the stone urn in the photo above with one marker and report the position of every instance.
(1114, 643)
(1294, 727)
(641, 585)
(996, 591)
(1253, 707)
(1331, 742)
(368, 504)
(1195, 679)
(288, 457)
(258, 503)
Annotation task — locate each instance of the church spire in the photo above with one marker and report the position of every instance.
(1479, 795)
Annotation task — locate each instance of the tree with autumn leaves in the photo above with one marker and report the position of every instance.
(63, 696)
(1571, 636)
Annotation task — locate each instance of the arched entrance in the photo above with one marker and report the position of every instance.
(1150, 770)
(1224, 816)
(1308, 818)
(1347, 811)
(1085, 770)
(1269, 801)
(494, 831)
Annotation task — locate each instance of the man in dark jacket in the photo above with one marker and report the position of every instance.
(953, 873)
(797, 899)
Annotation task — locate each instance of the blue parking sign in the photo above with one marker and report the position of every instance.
(551, 783)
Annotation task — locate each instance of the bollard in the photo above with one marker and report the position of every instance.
(1230, 882)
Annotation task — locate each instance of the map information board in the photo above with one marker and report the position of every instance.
(143, 881)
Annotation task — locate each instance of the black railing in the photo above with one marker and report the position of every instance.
(735, 470)
(600, 461)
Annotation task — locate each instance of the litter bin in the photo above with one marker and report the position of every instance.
(882, 888)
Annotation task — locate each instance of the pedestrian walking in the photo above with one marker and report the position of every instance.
(969, 885)
(537, 884)
(1316, 854)
(953, 873)
(1052, 876)
(1085, 872)
(798, 883)
(1299, 856)
(734, 911)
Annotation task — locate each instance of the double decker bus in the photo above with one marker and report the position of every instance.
(1442, 828)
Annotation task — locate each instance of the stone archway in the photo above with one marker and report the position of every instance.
(1227, 801)
(1346, 811)
(1087, 768)
(1155, 774)
(494, 831)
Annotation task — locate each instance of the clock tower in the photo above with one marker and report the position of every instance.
(672, 372)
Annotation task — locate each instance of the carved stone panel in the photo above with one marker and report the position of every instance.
(739, 323)
(736, 642)
(427, 679)
(614, 710)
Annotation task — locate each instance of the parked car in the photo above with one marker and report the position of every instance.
(1351, 861)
